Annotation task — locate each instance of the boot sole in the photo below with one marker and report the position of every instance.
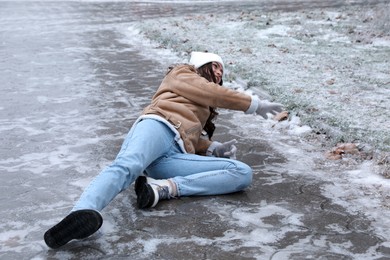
(77, 225)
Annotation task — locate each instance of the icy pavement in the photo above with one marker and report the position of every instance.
(75, 75)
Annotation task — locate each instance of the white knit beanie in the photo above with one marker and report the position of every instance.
(198, 59)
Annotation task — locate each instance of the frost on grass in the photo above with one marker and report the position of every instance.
(330, 67)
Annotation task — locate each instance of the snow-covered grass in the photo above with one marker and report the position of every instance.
(330, 67)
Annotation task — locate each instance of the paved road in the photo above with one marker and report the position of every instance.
(72, 85)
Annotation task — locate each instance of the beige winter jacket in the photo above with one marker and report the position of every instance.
(184, 98)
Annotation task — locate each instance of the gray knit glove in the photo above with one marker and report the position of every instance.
(268, 107)
(225, 150)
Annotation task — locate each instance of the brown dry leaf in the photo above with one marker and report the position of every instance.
(337, 150)
(281, 116)
(298, 90)
(284, 50)
(342, 148)
(332, 156)
(330, 81)
(348, 148)
(384, 159)
(246, 50)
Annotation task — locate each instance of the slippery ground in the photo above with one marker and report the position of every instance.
(76, 75)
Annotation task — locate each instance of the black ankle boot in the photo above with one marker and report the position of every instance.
(77, 225)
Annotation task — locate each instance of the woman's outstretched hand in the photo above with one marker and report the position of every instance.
(266, 107)
(226, 150)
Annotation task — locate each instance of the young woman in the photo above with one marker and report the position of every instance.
(171, 144)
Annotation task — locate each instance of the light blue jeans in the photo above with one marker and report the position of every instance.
(150, 147)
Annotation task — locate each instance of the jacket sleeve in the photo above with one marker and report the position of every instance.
(185, 82)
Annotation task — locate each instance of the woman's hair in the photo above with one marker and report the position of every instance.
(207, 72)
(209, 127)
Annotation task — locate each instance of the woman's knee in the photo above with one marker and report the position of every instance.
(123, 174)
(246, 174)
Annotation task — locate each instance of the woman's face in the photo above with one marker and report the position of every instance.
(218, 71)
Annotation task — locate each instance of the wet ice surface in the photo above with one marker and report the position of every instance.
(74, 78)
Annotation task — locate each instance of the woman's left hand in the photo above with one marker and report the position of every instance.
(226, 150)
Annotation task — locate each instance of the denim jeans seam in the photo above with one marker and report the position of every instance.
(202, 177)
(192, 160)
